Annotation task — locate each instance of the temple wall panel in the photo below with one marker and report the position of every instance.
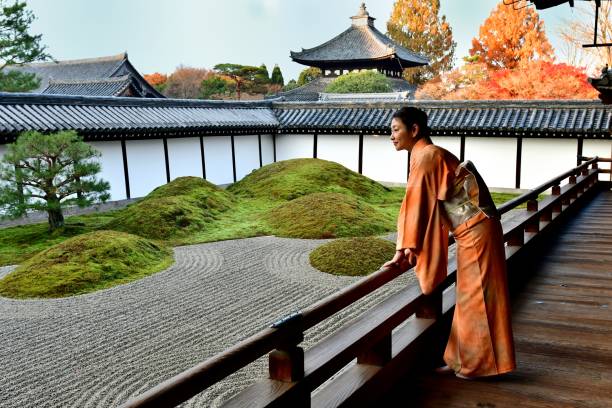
(450, 143)
(381, 162)
(343, 149)
(184, 157)
(601, 148)
(293, 146)
(267, 149)
(146, 164)
(544, 159)
(247, 155)
(495, 159)
(218, 158)
(112, 167)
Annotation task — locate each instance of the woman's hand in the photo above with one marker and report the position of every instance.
(397, 259)
(410, 257)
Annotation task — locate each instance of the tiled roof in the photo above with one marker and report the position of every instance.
(362, 41)
(109, 118)
(365, 97)
(128, 116)
(475, 118)
(98, 87)
(88, 71)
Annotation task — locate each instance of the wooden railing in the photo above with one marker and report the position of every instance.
(382, 354)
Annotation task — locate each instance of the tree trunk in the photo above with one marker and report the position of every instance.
(54, 210)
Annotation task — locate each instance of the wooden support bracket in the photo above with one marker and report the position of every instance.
(379, 354)
(286, 365)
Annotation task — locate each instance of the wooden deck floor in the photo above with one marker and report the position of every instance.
(562, 320)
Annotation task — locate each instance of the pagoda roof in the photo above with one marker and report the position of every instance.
(88, 71)
(359, 43)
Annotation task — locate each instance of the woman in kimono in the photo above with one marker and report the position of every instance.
(444, 195)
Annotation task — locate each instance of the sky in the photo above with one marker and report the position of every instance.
(159, 35)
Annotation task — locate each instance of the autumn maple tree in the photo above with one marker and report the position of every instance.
(530, 80)
(185, 82)
(509, 37)
(416, 25)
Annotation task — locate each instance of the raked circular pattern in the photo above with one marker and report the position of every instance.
(100, 349)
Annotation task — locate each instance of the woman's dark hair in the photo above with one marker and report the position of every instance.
(410, 115)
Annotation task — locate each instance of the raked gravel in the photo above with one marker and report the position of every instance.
(100, 349)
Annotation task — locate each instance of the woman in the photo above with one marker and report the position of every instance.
(441, 195)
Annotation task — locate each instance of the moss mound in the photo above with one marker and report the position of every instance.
(84, 264)
(290, 179)
(181, 207)
(352, 256)
(327, 215)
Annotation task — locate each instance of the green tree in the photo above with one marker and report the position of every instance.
(277, 76)
(308, 74)
(360, 82)
(216, 86)
(48, 172)
(416, 25)
(18, 47)
(292, 84)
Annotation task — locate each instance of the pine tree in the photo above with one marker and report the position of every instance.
(48, 172)
(509, 37)
(277, 76)
(415, 24)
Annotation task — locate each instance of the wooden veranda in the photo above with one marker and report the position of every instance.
(559, 253)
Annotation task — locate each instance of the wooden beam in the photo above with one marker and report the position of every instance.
(233, 157)
(314, 145)
(166, 160)
(360, 164)
(274, 147)
(519, 153)
(462, 149)
(126, 174)
(260, 157)
(203, 159)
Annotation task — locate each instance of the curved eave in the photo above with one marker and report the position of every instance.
(327, 63)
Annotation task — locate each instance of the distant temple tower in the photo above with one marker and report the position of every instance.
(361, 46)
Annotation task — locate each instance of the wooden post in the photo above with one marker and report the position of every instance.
(379, 354)
(519, 153)
(202, 155)
(556, 191)
(286, 364)
(233, 157)
(431, 306)
(360, 158)
(532, 205)
(167, 161)
(126, 172)
(260, 156)
(315, 142)
(517, 238)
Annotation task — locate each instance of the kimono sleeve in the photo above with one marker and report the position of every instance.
(420, 224)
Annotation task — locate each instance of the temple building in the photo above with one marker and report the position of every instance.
(104, 76)
(359, 47)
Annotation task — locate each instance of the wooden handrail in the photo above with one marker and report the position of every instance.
(533, 194)
(294, 374)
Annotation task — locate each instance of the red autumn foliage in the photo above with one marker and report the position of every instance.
(156, 78)
(530, 80)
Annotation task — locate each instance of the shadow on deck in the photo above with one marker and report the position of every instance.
(562, 321)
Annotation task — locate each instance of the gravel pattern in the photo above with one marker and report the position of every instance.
(99, 349)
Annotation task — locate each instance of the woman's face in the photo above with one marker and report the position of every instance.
(403, 138)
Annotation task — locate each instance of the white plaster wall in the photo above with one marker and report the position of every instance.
(112, 167)
(267, 149)
(146, 165)
(247, 155)
(544, 159)
(601, 148)
(293, 146)
(381, 162)
(343, 149)
(450, 143)
(184, 157)
(218, 158)
(495, 159)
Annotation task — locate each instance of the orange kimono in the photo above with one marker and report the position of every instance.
(440, 195)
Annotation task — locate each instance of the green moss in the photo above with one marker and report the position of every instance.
(180, 208)
(328, 215)
(290, 179)
(352, 256)
(84, 264)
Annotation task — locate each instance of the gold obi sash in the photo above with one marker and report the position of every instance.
(468, 196)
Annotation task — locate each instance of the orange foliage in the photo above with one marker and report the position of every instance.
(530, 80)
(509, 37)
(156, 78)
(185, 82)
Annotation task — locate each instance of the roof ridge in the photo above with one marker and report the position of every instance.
(377, 34)
(324, 44)
(117, 57)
